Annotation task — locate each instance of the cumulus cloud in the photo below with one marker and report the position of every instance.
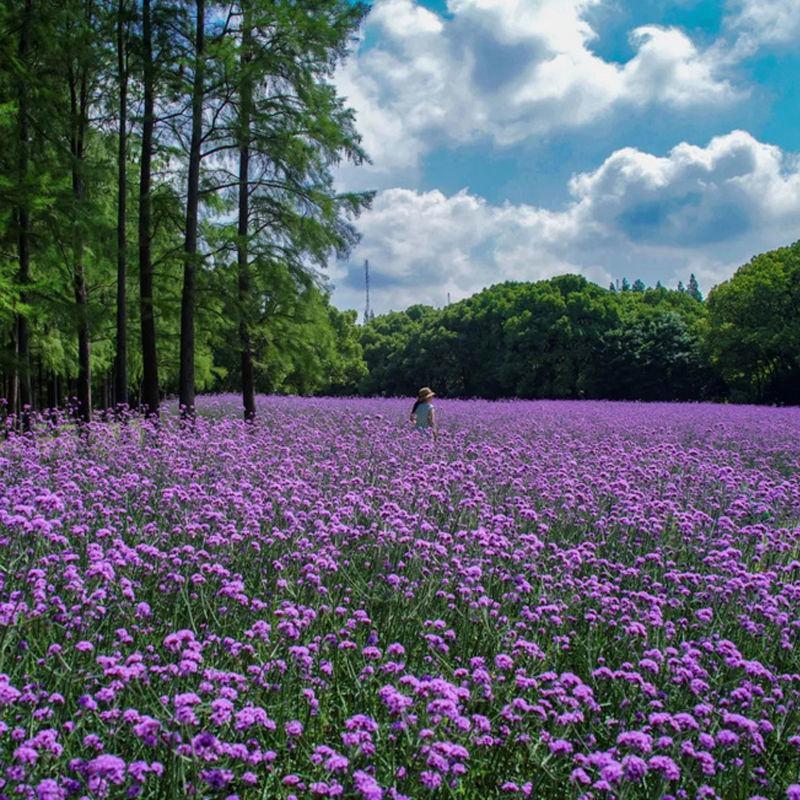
(424, 245)
(693, 196)
(764, 22)
(507, 70)
(697, 209)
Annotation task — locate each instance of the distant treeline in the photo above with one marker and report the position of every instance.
(569, 338)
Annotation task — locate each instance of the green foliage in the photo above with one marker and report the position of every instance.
(569, 338)
(301, 343)
(654, 354)
(388, 353)
(753, 330)
(301, 129)
(693, 289)
(560, 338)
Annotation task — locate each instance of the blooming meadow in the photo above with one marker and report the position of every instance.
(556, 600)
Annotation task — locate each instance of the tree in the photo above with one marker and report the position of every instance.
(299, 342)
(638, 285)
(123, 54)
(554, 342)
(753, 334)
(385, 343)
(188, 302)
(693, 289)
(243, 223)
(22, 215)
(150, 391)
(655, 353)
(93, 93)
(80, 57)
(563, 337)
(346, 367)
(288, 130)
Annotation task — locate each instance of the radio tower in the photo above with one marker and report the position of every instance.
(367, 310)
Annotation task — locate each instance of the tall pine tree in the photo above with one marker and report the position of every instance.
(150, 388)
(289, 129)
(693, 289)
(123, 25)
(186, 380)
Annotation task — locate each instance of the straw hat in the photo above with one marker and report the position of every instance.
(425, 393)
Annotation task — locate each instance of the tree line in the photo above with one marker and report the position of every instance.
(167, 200)
(569, 338)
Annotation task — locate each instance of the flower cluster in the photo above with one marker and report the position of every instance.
(555, 600)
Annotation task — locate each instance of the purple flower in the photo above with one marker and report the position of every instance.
(48, 789)
(634, 768)
(367, 786)
(560, 747)
(430, 779)
(108, 767)
(217, 778)
(635, 740)
(294, 728)
(666, 766)
(503, 661)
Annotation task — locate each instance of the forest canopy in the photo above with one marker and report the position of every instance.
(569, 338)
(167, 200)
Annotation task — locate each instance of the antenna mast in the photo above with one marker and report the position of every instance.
(367, 310)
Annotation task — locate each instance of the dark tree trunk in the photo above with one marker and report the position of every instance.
(150, 399)
(245, 100)
(79, 100)
(13, 389)
(41, 397)
(52, 390)
(121, 358)
(186, 380)
(23, 361)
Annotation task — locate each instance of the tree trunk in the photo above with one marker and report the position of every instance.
(186, 381)
(23, 361)
(121, 358)
(150, 399)
(245, 101)
(13, 390)
(52, 390)
(41, 397)
(79, 106)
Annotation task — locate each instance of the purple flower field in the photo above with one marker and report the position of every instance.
(556, 600)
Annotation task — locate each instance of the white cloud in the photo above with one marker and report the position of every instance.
(764, 22)
(693, 196)
(423, 245)
(697, 209)
(506, 70)
(669, 69)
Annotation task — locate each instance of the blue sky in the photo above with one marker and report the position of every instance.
(519, 139)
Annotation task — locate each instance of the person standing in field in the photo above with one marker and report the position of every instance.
(423, 414)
